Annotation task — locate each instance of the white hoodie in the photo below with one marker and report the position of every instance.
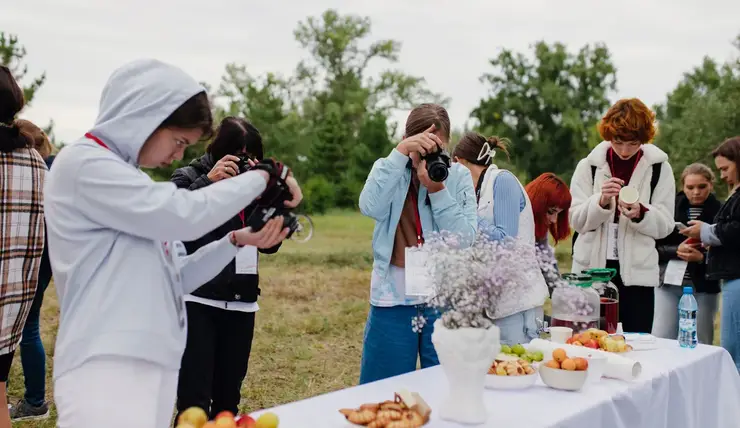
(638, 258)
(118, 271)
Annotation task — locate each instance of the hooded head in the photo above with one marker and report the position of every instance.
(150, 112)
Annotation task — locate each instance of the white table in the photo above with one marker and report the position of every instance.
(678, 388)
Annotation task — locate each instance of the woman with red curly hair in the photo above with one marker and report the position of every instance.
(617, 233)
(551, 200)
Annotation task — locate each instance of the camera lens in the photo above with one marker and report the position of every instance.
(437, 171)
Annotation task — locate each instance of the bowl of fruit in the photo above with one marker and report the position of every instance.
(519, 352)
(600, 339)
(195, 417)
(518, 374)
(562, 372)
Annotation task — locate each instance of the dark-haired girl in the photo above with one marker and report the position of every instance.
(22, 175)
(120, 268)
(221, 312)
(723, 240)
(505, 211)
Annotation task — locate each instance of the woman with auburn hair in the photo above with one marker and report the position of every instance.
(618, 233)
(551, 201)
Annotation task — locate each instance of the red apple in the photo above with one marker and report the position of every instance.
(569, 340)
(245, 421)
(593, 344)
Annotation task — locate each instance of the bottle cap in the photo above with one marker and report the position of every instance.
(688, 290)
(619, 328)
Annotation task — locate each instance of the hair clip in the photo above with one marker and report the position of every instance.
(486, 151)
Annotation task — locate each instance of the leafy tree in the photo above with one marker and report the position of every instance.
(701, 112)
(12, 54)
(547, 104)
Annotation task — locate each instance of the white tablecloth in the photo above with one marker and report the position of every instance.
(678, 388)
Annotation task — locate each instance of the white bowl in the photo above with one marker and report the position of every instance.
(510, 382)
(563, 379)
(596, 366)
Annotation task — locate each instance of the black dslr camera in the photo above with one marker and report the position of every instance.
(272, 201)
(438, 164)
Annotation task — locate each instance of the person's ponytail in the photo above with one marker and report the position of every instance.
(478, 149)
(12, 138)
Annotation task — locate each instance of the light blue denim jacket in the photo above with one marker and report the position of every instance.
(452, 209)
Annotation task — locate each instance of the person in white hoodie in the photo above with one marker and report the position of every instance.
(114, 236)
(621, 234)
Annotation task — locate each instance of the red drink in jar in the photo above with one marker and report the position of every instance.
(609, 315)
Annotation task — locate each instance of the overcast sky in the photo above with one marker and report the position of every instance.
(78, 43)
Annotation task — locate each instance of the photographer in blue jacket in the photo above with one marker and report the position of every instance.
(412, 192)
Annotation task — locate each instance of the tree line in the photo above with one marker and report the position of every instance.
(331, 119)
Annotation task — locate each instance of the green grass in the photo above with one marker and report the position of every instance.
(314, 303)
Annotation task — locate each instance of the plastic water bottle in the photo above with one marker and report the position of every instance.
(687, 310)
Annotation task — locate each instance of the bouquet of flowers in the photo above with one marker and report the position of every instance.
(471, 282)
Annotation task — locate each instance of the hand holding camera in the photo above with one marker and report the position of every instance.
(423, 143)
(280, 196)
(435, 161)
(270, 235)
(227, 166)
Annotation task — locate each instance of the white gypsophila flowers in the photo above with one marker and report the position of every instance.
(470, 283)
(549, 265)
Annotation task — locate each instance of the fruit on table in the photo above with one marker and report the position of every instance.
(267, 420)
(518, 349)
(246, 421)
(560, 360)
(520, 352)
(194, 417)
(511, 368)
(599, 339)
(407, 410)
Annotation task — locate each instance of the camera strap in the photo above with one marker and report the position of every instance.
(417, 219)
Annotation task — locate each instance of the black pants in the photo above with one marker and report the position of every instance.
(636, 304)
(215, 360)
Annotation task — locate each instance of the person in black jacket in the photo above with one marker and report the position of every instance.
(723, 239)
(221, 313)
(694, 202)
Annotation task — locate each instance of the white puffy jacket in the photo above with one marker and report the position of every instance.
(638, 258)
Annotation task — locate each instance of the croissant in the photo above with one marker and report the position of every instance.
(391, 406)
(388, 415)
(370, 406)
(408, 420)
(358, 417)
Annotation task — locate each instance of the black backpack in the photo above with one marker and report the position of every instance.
(653, 183)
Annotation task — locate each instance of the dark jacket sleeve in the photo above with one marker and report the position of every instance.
(668, 247)
(188, 178)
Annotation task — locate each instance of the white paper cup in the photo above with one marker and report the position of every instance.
(560, 334)
(629, 195)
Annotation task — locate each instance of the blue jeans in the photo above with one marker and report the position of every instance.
(730, 319)
(391, 347)
(520, 327)
(33, 356)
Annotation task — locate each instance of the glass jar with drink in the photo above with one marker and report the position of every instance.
(608, 297)
(577, 304)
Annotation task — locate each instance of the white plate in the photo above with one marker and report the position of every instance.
(510, 382)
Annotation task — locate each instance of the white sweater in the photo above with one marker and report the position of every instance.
(638, 258)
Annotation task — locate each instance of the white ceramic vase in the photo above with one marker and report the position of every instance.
(466, 355)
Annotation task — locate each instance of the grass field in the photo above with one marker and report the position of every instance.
(313, 307)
